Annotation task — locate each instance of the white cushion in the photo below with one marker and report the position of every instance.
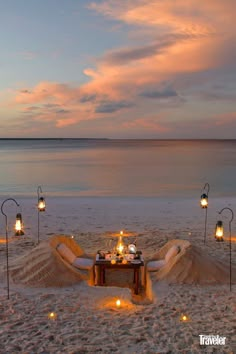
(83, 263)
(155, 265)
(172, 252)
(66, 253)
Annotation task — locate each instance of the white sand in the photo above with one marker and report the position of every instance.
(87, 318)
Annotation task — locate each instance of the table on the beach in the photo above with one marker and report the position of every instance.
(103, 264)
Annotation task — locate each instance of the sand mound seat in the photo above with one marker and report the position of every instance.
(191, 265)
(46, 266)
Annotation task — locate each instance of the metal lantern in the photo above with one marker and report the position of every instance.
(204, 205)
(219, 237)
(19, 225)
(19, 231)
(219, 231)
(41, 204)
(204, 200)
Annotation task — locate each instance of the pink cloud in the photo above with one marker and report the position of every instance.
(192, 17)
(147, 123)
(47, 91)
(225, 119)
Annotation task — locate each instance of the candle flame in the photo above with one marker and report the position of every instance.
(52, 316)
(18, 225)
(118, 303)
(184, 318)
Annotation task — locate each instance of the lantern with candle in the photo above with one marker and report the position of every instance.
(19, 225)
(41, 204)
(219, 233)
(204, 201)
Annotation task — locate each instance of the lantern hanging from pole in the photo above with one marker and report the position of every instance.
(41, 204)
(19, 225)
(204, 200)
(219, 235)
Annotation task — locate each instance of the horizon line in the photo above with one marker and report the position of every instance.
(88, 138)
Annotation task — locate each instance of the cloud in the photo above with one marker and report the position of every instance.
(124, 56)
(225, 119)
(63, 111)
(88, 98)
(31, 109)
(28, 55)
(148, 123)
(193, 17)
(47, 91)
(127, 55)
(162, 93)
(112, 106)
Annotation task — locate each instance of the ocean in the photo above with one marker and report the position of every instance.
(124, 168)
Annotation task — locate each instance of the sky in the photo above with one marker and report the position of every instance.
(118, 69)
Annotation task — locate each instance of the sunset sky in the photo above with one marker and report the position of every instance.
(118, 69)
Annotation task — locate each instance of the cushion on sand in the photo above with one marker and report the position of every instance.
(172, 252)
(155, 265)
(66, 253)
(83, 263)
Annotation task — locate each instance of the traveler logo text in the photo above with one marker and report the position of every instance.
(211, 340)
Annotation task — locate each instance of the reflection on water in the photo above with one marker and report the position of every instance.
(117, 167)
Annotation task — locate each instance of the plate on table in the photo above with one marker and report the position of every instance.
(136, 261)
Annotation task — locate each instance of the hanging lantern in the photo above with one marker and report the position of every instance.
(219, 231)
(19, 225)
(204, 201)
(41, 204)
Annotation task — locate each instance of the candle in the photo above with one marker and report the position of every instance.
(118, 303)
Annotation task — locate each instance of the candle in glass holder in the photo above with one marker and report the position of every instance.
(120, 245)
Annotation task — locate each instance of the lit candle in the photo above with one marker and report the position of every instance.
(120, 245)
(52, 316)
(184, 318)
(118, 303)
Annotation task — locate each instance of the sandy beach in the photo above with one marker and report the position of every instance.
(86, 317)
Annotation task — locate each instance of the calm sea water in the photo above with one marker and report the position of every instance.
(75, 167)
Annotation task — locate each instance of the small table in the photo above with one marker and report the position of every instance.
(103, 264)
